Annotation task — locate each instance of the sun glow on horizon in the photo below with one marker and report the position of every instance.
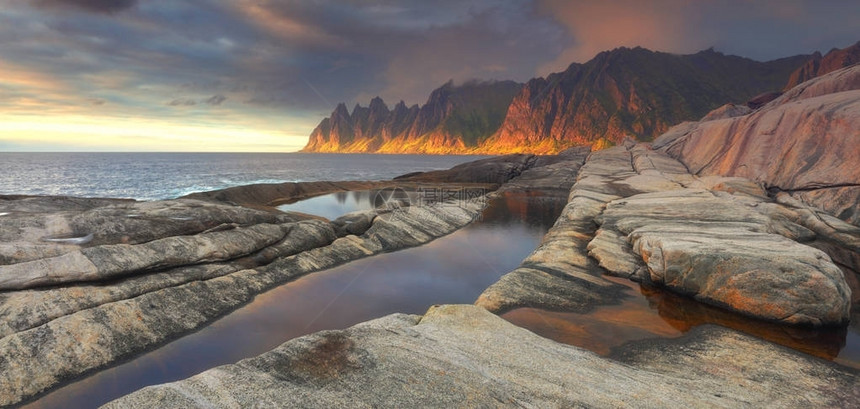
(27, 133)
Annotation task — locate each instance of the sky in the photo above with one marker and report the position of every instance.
(259, 75)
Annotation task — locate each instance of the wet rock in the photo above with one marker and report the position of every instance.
(465, 356)
(54, 335)
(354, 223)
(559, 275)
(723, 253)
(495, 170)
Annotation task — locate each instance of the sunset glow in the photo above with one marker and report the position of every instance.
(217, 75)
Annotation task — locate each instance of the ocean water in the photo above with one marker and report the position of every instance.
(154, 176)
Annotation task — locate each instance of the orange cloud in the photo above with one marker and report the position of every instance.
(598, 25)
(263, 14)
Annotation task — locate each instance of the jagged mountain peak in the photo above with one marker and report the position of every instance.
(819, 64)
(624, 92)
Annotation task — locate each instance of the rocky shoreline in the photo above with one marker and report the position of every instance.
(86, 283)
(108, 302)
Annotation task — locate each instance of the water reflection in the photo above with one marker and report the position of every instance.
(651, 312)
(334, 205)
(452, 269)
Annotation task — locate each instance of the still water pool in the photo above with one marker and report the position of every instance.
(453, 269)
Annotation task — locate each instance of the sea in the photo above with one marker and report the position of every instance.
(156, 176)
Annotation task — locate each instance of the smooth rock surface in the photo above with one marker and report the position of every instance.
(456, 356)
(165, 288)
(724, 253)
(721, 240)
(559, 275)
(806, 142)
(495, 170)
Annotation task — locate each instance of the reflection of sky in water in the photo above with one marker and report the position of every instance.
(652, 312)
(333, 205)
(452, 269)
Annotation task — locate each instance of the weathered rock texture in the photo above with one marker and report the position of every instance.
(457, 356)
(129, 290)
(806, 142)
(559, 274)
(706, 245)
(275, 194)
(721, 240)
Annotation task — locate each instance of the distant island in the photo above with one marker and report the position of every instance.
(624, 92)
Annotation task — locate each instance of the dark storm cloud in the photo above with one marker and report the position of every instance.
(97, 6)
(298, 59)
(182, 103)
(761, 30)
(215, 100)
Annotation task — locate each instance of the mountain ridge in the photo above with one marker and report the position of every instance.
(453, 118)
(621, 92)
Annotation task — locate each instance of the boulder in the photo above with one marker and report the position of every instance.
(723, 253)
(354, 222)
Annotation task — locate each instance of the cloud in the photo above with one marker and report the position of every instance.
(182, 102)
(599, 25)
(285, 64)
(96, 6)
(215, 100)
(761, 30)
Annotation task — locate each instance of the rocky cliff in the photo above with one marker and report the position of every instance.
(456, 118)
(623, 92)
(806, 143)
(629, 92)
(818, 65)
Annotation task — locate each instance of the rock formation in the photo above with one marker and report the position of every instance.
(639, 214)
(723, 211)
(456, 356)
(155, 271)
(623, 92)
(634, 212)
(454, 119)
(806, 143)
(818, 65)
